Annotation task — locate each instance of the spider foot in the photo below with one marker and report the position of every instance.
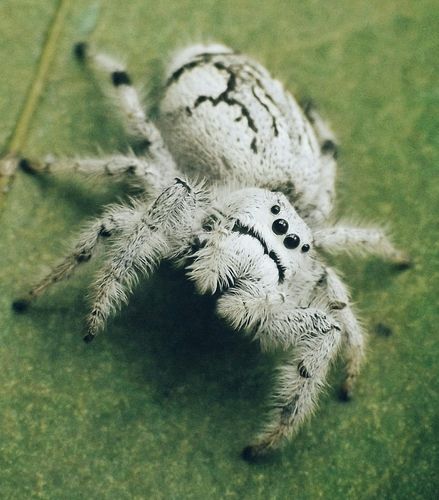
(29, 166)
(403, 261)
(345, 393)
(254, 453)
(20, 305)
(88, 338)
(80, 51)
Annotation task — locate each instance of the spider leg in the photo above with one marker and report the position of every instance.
(353, 350)
(298, 385)
(321, 211)
(144, 171)
(139, 250)
(269, 316)
(276, 322)
(141, 237)
(328, 162)
(127, 100)
(353, 337)
(324, 133)
(116, 219)
(345, 238)
(159, 234)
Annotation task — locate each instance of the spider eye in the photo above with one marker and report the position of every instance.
(305, 248)
(280, 226)
(275, 209)
(291, 241)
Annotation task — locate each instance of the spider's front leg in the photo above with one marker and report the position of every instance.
(276, 321)
(156, 236)
(141, 237)
(115, 220)
(332, 289)
(298, 385)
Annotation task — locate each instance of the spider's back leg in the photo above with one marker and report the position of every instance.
(127, 100)
(153, 171)
(325, 135)
(328, 161)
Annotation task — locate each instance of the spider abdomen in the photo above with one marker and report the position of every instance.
(223, 116)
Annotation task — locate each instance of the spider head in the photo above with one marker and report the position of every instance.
(268, 223)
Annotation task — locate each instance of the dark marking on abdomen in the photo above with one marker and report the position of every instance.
(273, 118)
(200, 59)
(231, 101)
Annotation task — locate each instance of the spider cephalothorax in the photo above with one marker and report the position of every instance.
(260, 236)
(250, 234)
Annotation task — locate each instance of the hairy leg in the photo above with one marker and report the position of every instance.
(116, 219)
(141, 237)
(270, 316)
(344, 238)
(352, 334)
(329, 151)
(128, 101)
(353, 351)
(299, 383)
(157, 235)
(138, 251)
(324, 133)
(144, 171)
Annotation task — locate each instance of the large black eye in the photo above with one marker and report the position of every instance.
(305, 247)
(292, 241)
(280, 226)
(275, 209)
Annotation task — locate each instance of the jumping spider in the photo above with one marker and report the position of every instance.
(250, 232)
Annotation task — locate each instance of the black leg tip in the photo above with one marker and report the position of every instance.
(20, 305)
(249, 454)
(80, 51)
(383, 330)
(345, 394)
(256, 453)
(88, 338)
(404, 264)
(337, 305)
(26, 166)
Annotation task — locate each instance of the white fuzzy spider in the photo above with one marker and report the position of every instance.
(249, 233)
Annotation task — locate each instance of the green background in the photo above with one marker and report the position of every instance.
(161, 404)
